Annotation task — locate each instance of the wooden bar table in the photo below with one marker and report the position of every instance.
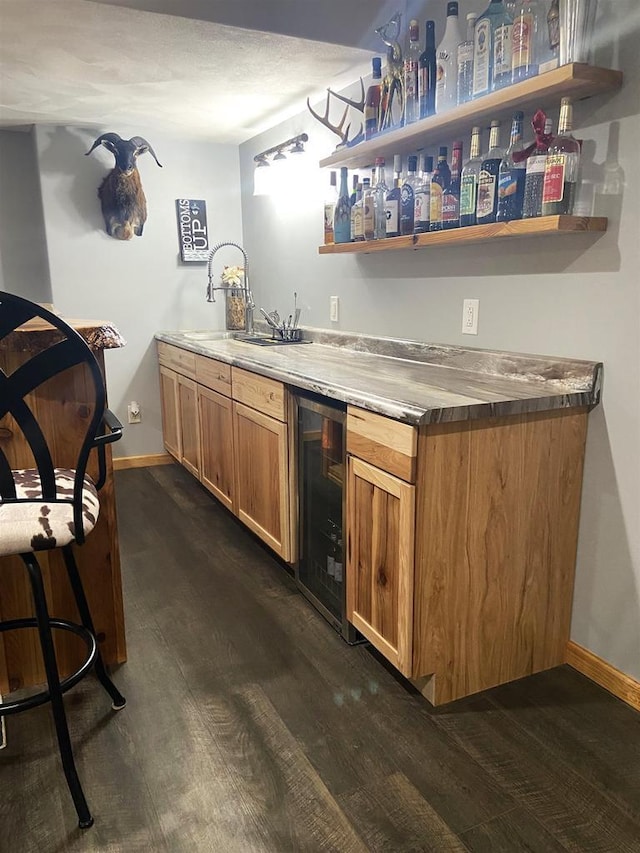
(62, 406)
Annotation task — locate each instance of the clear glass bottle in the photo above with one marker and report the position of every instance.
(447, 60)
(379, 200)
(330, 200)
(534, 178)
(465, 62)
(451, 195)
(487, 204)
(356, 215)
(372, 100)
(342, 216)
(525, 41)
(439, 182)
(411, 67)
(553, 28)
(492, 49)
(407, 196)
(368, 208)
(512, 174)
(562, 167)
(392, 201)
(469, 180)
(422, 214)
(427, 73)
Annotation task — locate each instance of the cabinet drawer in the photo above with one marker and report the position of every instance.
(389, 445)
(259, 392)
(213, 374)
(180, 360)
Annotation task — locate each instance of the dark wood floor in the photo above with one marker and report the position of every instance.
(251, 726)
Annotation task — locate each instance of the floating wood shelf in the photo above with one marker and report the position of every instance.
(544, 225)
(572, 81)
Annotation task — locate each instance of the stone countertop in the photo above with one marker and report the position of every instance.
(413, 382)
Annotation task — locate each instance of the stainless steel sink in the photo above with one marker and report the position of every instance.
(205, 335)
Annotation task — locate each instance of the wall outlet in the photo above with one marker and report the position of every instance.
(470, 310)
(334, 308)
(133, 412)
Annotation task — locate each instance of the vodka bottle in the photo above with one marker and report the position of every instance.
(451, 195)
(379, 201)
(534, 178)
(329, 208)
(356, 215)
(561, 167)
(422, 215)
(469, 181)
(492, 49)
(512, 175)
(368, 208)
(392, 202)
(407, 197)
(411, 66)
(372, 101)
(427, 73)
(439, 183)
(447, 60)
(487, 203)
(342, 216)
(465, 62)
(525, 42)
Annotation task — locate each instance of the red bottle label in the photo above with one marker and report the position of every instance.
(553, 187)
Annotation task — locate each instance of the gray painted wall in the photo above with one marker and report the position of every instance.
(572, 296)
(140, 284)
(23, 250)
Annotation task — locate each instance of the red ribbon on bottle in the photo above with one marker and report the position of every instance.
(543, 140)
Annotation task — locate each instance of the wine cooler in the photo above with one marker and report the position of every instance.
(320, 570)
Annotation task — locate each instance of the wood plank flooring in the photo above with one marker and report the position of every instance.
(251, 726)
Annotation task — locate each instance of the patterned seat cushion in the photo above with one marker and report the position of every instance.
(32, 524)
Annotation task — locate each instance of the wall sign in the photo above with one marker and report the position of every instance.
(192, 229)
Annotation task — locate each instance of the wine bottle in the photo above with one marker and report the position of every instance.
(427, 73)
(561, 167)
(379, 201)
(487, 203)
(439, 183)
(465, 62)
(469, 181)
(451, 195)
(342, 216)
(534, 178)
(372, 100)
(407, 197)
(411, 67)
(512, 174)
(422, 215)
(447, 62)
(392, 201)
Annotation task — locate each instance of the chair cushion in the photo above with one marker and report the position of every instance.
(32, 524)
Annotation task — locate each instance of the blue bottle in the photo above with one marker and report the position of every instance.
(512, 174)
(342, 214)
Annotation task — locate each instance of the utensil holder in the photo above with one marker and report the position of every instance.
(286, 334)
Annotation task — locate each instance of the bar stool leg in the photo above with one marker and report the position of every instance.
(85, 819)
(117, 699)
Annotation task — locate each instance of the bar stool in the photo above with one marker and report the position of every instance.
(45, 507)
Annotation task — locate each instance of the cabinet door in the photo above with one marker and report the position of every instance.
(170, 412)
(262, 477)
(189, 432)
(380, 560)
(216, 444)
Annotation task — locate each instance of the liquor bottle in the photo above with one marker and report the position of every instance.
(439, 182)
(525, 47)
(363, 189)
(487, 203)
(379, 201)
(372, 100)
(411, 66)
(422, 199)
(342, 217)
(492, 49)
(337, 560)
(407, 197)
(330, 207)
(392, 201)
(553, 27)
(447, 59)
(354, 188)
(368, 209)
(512, 174)
(451, 195)
(356, 215)
(561, 167)
(469, 181)
(427, 72)
(534, 179)
(465, 62)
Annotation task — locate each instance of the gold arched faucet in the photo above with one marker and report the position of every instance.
(246, 291)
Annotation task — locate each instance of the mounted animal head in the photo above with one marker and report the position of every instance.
(124, 206)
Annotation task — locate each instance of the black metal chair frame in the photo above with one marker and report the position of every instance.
(67, 352)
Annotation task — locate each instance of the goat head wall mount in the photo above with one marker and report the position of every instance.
(124, 206)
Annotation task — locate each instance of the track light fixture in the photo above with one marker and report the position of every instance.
(264, 180)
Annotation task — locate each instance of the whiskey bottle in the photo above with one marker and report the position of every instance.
(407, 197)
(427, 73)
(512, 174)
(422, 215)
(392, 201)
(534, 178)
(469, 181)
(525, 47)
(342, 216)
(561, 167)
(451, 195)
(411, 68)
(487, 204)
(372, 100)
(439, 182)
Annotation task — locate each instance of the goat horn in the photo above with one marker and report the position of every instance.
(109, 140)
(142, 145)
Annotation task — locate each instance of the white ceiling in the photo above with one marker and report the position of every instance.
(141, 63)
